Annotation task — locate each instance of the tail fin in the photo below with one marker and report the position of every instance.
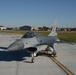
(53, 32)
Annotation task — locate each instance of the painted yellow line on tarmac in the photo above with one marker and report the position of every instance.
(62, 66)
(59, 64)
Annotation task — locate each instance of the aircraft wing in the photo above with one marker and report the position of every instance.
(3, 47)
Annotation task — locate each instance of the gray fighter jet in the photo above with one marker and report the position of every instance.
(34, 43)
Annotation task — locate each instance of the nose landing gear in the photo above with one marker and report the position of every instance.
(33, 59)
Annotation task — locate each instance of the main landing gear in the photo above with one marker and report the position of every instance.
(54, 53)
(51, 51)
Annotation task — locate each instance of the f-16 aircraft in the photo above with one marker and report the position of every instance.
(34, 43)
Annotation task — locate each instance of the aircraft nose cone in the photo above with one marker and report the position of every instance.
(16, 46)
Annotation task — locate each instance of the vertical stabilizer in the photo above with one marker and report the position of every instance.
(53, 32)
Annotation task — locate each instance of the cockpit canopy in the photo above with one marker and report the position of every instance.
(29, 35)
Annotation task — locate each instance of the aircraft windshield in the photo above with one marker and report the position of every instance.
(29, 35)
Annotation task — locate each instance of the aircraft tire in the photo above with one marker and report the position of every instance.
(33, 60)
(54, 53)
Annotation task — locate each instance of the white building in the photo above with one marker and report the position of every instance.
(2, 28)
(34, 28)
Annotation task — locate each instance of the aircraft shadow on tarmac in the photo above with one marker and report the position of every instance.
(15, 55)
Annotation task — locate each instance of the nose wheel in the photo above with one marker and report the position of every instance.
(33, 59)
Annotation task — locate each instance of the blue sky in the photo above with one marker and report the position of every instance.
(15, 13)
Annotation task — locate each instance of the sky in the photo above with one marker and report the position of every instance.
(16, 13)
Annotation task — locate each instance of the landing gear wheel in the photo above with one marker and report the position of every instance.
(33, 60)
(54, 53)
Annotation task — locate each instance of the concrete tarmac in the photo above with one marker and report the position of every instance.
(19, 62)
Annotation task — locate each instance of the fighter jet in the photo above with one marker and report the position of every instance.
(34, 43)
